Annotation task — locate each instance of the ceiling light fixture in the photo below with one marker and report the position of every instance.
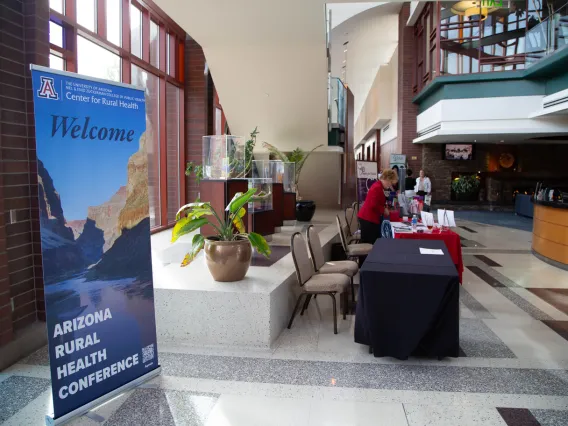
(472, 9)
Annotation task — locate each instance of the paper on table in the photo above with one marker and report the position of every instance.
(431, 251)
(446, 218)
(425, 216)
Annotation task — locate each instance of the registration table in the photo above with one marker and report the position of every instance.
(449, 237)
(408, 302)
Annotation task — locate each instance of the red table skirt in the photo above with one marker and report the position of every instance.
(451, 239)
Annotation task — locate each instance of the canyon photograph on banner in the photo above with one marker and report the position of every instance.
(95, 235)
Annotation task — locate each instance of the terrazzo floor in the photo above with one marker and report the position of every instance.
(514, 368)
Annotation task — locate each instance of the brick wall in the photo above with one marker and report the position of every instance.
(24, 35)
(407, 111)
(197, 109)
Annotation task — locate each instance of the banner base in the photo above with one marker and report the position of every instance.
(50, 421)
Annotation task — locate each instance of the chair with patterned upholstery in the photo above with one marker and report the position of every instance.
(352, 251)
(345, 267)
(313, 284)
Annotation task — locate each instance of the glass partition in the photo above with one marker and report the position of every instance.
(259, 169)
(548, 32)
(337, 102)
(284, 173)
(223, 157)
(262, 200)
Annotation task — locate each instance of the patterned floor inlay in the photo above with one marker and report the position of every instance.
(487, 261)
(474, 306)
(561, 327)
(368, 376)
(468, 229)
(524, 304)
(164, 408)
(477, 340)
(518, 417)
(16, 392)
(551, 417)
(485, 276)
(557, 297)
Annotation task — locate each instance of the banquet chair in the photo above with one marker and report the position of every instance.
(352, 251)
(352, 228)
(313, 284)
(386, 229)
(345, 267)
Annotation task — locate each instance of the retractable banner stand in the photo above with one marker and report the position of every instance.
(367, 175)
(91, 138)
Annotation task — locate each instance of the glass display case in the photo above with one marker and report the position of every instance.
(262, 200)
(223, 157)
(259, 169)
(284, 173)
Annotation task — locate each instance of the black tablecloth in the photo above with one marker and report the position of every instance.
(408, 302)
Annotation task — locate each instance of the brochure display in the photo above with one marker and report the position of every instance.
(95, 237)
(223, 157)
(367, 175)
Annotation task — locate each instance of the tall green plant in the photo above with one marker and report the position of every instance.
(298, 157)
(193, 216)
(249, 148)
(466, 184)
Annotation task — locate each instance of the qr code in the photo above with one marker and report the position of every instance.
(148, 353)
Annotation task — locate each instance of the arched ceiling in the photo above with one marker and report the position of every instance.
(268, 61)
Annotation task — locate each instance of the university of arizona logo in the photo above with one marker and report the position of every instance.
(47, 88)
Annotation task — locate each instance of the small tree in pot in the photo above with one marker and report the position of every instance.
(228, 253)
(305, 209)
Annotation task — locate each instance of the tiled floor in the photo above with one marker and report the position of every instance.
(513, 335)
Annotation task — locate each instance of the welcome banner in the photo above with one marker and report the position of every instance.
(367, 175)
(95, 235)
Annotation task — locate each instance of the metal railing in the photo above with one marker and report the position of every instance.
(548, 36)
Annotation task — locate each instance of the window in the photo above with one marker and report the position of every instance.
(55, 34)
(151, 83)
(86, 14)
(114, 22)
(172, 150)
(154, 44)
(56, 5)
(95, 61)
(136, 31)
(99, 27)
(56, 62)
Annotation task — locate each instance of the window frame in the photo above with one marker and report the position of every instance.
(72, 29)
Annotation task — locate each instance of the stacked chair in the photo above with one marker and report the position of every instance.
(312, 284)
(352, 232)
(345, 267)
(352, 251)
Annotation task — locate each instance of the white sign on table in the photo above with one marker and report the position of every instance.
(446, 218)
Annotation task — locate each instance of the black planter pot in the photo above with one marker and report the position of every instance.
(467, 196)
(305, 210)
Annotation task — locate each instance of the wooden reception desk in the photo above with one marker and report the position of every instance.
(550, 233)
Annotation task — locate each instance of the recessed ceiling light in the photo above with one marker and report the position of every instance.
(475, 140)
(345, 51)
(501, 141)
(344, 61)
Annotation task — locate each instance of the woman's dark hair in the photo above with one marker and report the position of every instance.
(408, 172)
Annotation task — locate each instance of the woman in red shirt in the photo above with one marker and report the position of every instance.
(374, 208)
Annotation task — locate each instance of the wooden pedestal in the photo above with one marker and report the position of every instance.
(278, 203)
(219, 193)
(289, 206)
(261, 222)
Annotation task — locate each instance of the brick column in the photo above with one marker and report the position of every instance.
(197, 96)
(24, 25)
(407, 111)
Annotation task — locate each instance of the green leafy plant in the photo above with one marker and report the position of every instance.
(249, 148)
(297, 157)
(197, 170)
(466, 184)
(193, 216)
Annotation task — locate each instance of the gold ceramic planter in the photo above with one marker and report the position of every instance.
(228, 261)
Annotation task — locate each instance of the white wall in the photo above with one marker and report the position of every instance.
(320, 180)
(372, 37)
(391, 133)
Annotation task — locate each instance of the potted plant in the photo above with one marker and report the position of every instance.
(305, 209)
(466, 187)
(228, 253)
